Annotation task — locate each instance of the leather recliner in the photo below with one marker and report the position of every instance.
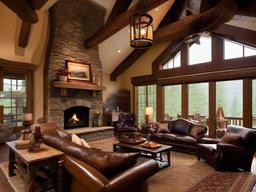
(231, 155)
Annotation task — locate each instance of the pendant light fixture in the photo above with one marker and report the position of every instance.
(141, 30)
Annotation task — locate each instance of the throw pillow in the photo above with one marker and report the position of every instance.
(76, 139)
(63, 134)
(162, 128)
(197, 131)
(231, 138)
(85, 144)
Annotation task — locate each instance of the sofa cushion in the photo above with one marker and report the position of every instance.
(197, 131)
(162, 128)
(231, 138)
(181, 126)
(186, 140)
(108, 163)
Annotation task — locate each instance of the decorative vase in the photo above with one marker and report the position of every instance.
(63, 78)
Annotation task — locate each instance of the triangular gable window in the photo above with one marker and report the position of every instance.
(173, 63)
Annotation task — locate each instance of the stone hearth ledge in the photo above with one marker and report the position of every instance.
(89, 130)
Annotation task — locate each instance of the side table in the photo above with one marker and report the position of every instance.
(29, 164)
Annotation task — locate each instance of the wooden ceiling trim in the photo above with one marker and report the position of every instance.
(172, 15)
(23, 9)
(126, 63)
(209, 20)
(238, 34)
(118, 23)
(120, 6)
(38, 4)
(16, 65)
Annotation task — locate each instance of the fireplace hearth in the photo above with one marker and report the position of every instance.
(76, 117)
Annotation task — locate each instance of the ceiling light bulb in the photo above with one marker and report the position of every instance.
(119, 51)
(157, 9)
(143, 31)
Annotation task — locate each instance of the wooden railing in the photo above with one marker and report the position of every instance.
(235, 121)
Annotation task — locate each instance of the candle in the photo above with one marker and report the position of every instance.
(27, 116)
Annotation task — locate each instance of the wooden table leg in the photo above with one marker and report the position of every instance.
(11, 166)
(168, 157)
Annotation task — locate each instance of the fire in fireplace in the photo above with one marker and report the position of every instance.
(76, 117)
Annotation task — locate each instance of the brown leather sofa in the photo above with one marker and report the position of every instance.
(95, 170)
(234, 151)
(182, 134)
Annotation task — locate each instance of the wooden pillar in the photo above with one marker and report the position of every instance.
(212, 110)
(159, 103)
(30, 93)
(247, 102)
(1, 89)
(184, 55)
(217, 50)
(184, 101)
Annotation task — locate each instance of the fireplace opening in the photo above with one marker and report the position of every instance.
(76, 117)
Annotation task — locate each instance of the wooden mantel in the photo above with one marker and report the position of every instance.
(75, 85)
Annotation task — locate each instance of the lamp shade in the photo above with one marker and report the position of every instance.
(149, 111)
(27, 116)
(141, 31)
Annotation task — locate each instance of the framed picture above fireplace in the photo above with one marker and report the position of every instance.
(79, 71)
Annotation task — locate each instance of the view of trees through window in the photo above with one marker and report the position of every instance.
(229, 95)
(13, 100)
(198, 95)
(146, 96)
(236, 50)
(254, 103)
(195, 51)
(172, 100)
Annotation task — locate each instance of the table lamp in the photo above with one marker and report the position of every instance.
(148, 114)
(27, 122)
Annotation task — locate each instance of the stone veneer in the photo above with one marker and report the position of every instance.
(71, 22)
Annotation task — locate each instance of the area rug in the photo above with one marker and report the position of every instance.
(186, 174)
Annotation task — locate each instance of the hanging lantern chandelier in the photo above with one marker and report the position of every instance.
(141, 31)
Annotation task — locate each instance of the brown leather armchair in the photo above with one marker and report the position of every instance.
(234, 151)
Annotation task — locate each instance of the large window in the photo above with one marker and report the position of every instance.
(13, 99)
(229, 96)
(198, 95)
(234, 50)
(254, 103)
(174, 62)
(146, 97)
(172, 100)
(200, 52)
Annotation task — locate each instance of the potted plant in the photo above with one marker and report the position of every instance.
(62, 74)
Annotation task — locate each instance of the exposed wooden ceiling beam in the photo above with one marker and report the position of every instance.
(120, 6)
(172, 15)
(24, 34)
(247, 8)
(38, 4)
(26, 27)
(192, 24)
(238, 34)
(118, 23)
(23, 9)
(126, 63)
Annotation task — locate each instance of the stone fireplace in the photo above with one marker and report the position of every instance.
(68, 32)
(76, 117)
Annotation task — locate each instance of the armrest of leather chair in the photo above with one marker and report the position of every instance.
(89, 177)
(232, 150)
(208, 140)
(133, 175)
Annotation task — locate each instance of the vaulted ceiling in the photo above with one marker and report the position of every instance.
(114, 49)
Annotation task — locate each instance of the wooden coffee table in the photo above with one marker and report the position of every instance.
(156, 154)
(28, 163)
